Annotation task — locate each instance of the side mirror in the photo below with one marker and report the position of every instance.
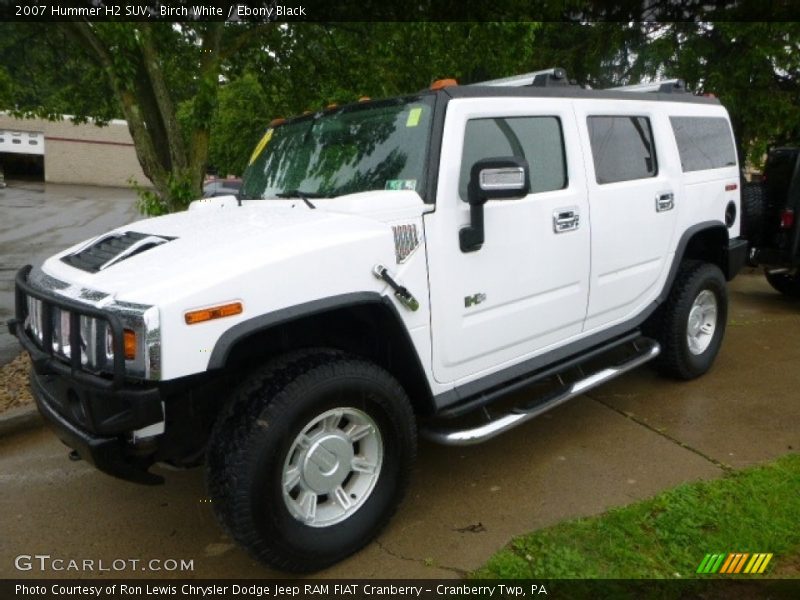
(491, 179)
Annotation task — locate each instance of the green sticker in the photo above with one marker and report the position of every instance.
(413, 117)
(401, 184)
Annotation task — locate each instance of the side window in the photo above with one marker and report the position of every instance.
(536, 139)
(703, 142)
(622, 148)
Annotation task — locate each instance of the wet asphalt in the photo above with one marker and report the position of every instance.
(620, 443)
(38, 220)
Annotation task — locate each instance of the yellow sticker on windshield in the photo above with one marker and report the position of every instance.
(260, 146)
(413, 117)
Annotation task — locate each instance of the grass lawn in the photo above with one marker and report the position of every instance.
(755, 510)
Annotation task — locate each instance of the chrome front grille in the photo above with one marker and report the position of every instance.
(95, 339)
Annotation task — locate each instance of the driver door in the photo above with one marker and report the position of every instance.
(526, 289)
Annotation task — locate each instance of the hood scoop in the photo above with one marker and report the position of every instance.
(113, 248)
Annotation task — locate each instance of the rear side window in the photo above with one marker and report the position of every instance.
(622, 148)
(703, 143)
(536, 139)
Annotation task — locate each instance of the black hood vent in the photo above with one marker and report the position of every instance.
(111, 249)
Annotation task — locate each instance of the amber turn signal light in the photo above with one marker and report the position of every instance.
(215, 312)
(129, 337)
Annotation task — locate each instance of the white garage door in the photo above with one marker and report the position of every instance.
(22, 142)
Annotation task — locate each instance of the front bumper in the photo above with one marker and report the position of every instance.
(92, 414)
(110, 453)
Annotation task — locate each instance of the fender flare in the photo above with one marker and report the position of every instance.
(240, 331)
(228, 340)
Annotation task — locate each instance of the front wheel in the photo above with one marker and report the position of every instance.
(311, 459)
(787, 283)
(691, 323)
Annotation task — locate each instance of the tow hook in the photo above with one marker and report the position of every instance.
(74, 456)
(405, 297)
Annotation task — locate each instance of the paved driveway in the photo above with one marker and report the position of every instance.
(38, 220)
(622, 442)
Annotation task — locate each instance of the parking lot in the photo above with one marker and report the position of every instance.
(41, 219)
(622, 442)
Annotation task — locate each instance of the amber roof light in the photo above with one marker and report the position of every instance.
(440, 84)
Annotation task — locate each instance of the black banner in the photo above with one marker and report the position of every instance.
(427, 589)
(396, 10)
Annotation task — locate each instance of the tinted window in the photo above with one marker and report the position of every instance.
(536, 139)
(704, 143)
(379, 145)
(622, 148)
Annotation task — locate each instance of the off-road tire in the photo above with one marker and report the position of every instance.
(670, 323)
(754, 207)
(253, 435)
(787, 284)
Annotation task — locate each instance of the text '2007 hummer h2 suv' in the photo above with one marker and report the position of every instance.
(389, 262)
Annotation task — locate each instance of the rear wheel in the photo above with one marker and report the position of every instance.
(691, 323)
(311, 459)
(787, 282)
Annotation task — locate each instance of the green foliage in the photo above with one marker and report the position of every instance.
(666, 537)
(179, 193)
(204, 92)
(312, 65)
(240, 122)
(51, 76)
(753, 67)
(6, 84)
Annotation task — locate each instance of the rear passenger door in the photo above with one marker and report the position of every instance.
(634, 194)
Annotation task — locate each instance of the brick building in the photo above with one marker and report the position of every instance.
(61, 152)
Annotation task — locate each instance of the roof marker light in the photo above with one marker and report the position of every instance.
(440, 84)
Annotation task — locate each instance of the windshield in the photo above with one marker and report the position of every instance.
(358, 148)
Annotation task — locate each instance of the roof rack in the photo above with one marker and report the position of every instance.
(664, 86)
(556, 76)
(545, 78)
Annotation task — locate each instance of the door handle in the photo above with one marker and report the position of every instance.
(566, 219)
(665, 201)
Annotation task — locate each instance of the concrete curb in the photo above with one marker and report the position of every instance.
(18, 419)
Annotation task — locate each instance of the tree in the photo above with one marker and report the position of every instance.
(310, 66)
(135, 59)
(241, 118)
(139, 71)
(753, 67)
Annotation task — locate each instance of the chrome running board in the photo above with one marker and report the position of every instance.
(645, 350)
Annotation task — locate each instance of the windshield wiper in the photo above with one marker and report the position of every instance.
(304, 196)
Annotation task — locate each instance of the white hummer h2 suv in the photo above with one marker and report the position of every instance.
(389, 265)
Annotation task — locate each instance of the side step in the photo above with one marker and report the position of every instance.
(645, 349)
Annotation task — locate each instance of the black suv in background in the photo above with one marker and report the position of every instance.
(771, 208)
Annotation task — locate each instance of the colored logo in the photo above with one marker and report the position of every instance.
(733, 563)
